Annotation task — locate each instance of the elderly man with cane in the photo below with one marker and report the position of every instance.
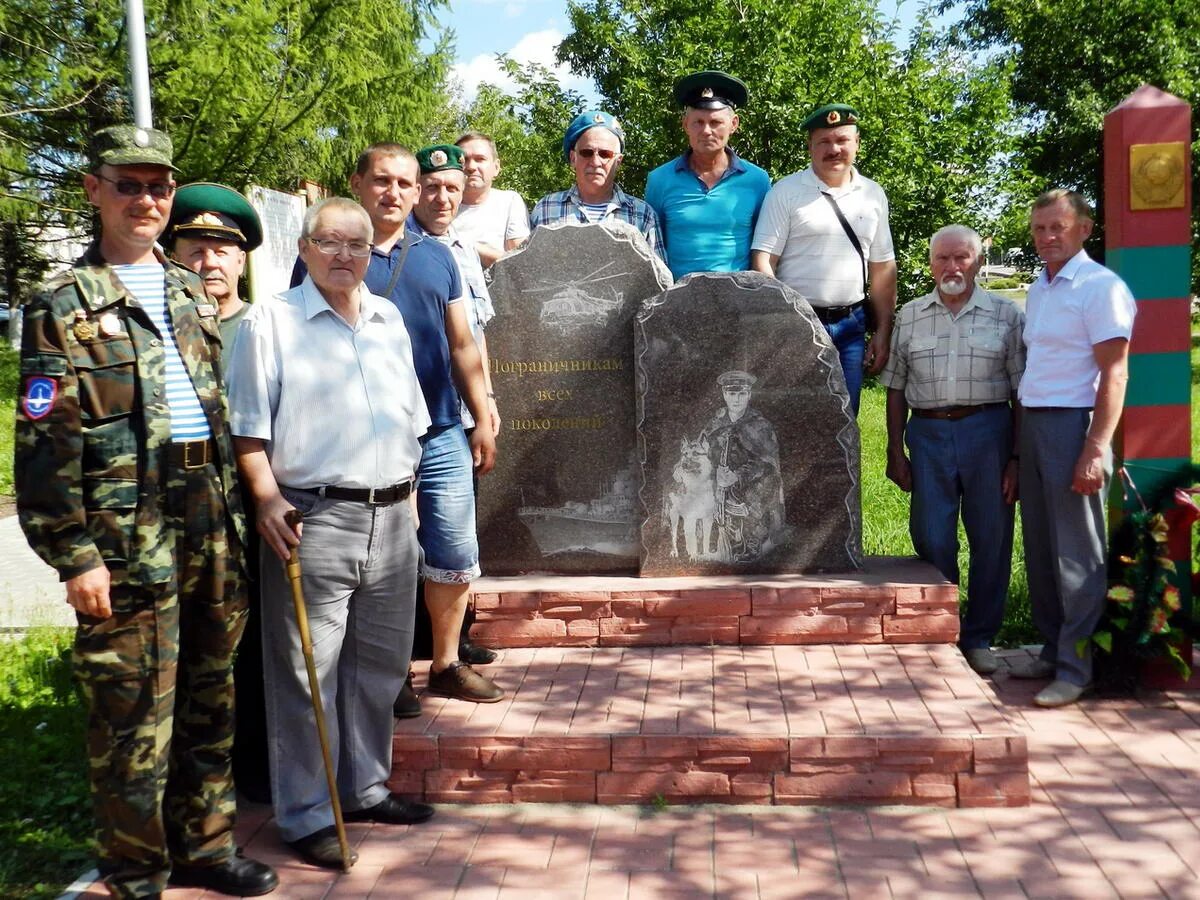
(326, 412)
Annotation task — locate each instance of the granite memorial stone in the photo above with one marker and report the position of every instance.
(563, 495)
(749, 451)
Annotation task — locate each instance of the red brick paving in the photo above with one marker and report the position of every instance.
(1115, 813)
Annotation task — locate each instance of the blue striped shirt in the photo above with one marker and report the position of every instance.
(148, 285)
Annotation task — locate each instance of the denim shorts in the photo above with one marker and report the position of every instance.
(446, 506)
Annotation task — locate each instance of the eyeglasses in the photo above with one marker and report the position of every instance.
(331, 247)
(131, 187)
(589, 152)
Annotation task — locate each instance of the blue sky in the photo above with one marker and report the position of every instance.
(529, 30)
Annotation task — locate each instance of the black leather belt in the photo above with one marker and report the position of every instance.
(830, 314)
(191, 454)
(954, 413)
(370, 496)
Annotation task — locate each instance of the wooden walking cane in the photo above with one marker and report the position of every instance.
(293, 573)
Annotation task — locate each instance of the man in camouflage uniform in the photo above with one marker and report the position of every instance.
(745, 457)
(119, 365)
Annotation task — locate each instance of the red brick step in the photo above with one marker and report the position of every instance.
(865, 724)
(891, 601)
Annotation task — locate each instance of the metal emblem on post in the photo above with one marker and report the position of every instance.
(1156, 175)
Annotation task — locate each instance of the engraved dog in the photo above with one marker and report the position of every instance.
(691, 501)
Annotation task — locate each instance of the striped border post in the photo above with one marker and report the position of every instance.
(1147, 149)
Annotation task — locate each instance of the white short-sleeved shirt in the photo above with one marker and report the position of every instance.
(815, 256)
(1084, 305)
(501, 217)
(337, 404)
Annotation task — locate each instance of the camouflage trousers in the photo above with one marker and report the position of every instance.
(158, 677)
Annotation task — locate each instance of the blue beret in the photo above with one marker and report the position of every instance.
(593, 118)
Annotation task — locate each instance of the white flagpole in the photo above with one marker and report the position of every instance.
(139, 68)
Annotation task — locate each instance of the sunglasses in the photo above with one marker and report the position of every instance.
(589, 152)
(131, 187)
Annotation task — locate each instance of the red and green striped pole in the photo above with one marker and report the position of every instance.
(1148, 204)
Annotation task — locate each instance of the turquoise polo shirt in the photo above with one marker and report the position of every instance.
(707, 229)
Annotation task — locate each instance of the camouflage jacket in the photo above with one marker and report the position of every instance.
(93, 428)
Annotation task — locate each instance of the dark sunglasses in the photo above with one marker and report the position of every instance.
(589, 152)
(131, 187)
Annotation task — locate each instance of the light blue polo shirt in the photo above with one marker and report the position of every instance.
(707, 230)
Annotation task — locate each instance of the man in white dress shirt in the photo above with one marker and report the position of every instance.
(327, 411)
(1079, 318)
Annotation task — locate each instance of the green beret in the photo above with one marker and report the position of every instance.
(711, 90)
(437, 157)
(129, 145)
(736, 378)
(204, 209)
(831, 115)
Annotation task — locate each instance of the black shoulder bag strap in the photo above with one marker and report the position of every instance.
(404, 248)
(868, 310)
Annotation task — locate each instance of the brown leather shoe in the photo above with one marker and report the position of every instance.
(407, 704)
(459, 681)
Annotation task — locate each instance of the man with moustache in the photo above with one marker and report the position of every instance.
(420, 277)
(327, 412)
(708, 199)
(211, 230)
(956, 360)
(126, 485)
(1079, 321)
(594, 145)
(492, 219)
(824, 231)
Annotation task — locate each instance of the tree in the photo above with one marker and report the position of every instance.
(934, 122)
(527, 126)
(1073, 61)
(250, 90)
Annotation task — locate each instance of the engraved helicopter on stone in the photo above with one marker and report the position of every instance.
(580, 302)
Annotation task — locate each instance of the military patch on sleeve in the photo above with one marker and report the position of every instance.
(40, 393)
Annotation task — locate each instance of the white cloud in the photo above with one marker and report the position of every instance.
(534, 47)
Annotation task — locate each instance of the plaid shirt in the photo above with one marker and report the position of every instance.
(622, 207)
(970, 359)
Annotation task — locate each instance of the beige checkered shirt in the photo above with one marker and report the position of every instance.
(970, 359)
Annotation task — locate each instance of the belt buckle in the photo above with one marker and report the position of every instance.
(371, 501)
(202, 447)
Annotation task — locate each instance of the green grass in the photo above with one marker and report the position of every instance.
(45, 811)
(885, 520)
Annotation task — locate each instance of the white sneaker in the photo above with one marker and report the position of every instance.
(1035, 668)
(1060, 693)
(982, 660)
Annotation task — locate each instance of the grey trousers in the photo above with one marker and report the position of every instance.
(359, 570)
(1066, 539)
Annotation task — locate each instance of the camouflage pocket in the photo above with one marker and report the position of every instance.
(110, 451)
(107, 375)
(113, 649)
(111, 504)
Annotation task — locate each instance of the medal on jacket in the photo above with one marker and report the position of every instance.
(110, 324)
(83, 329)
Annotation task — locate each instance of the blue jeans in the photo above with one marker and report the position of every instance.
(955, 464)
(446, 506)
(848, 337)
